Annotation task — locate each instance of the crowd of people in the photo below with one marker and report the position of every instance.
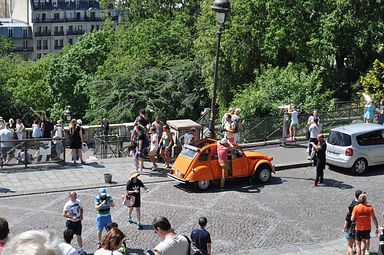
(114, 241)
(11, 133)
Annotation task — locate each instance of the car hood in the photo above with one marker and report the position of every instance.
(182, 164)
(257, 155)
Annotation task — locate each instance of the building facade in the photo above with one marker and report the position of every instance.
(52, 24)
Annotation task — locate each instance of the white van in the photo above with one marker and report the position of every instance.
(356, 146)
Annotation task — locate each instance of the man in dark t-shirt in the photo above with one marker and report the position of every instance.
(201, 237)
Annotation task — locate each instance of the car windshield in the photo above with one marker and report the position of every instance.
(339, 139)
(187, 152)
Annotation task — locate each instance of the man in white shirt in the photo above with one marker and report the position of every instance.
(73, 212)
(172, 244)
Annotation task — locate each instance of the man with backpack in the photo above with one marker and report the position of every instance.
(201, 237)
(349, 226)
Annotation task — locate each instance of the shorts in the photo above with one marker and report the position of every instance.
(360, 235)
(165, 148)
(294, 124)
(102, 222)
(152, 153)
(349, 236)
(75, 226)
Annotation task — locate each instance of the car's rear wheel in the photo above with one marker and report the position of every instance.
(202, 185)
(359, 166)
(263, 174)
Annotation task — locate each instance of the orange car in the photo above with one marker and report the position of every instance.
(197, 163)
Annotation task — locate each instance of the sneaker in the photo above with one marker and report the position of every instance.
(366, 252)
(98, 245)
(130, 221)
(139, 226)
(314, 185)
(289, 139)
(153, 169)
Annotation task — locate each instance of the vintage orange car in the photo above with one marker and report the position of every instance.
(197, 163)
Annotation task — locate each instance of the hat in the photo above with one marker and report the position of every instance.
(134, 174)
(362, 198)
(224, 141)
(79, 121)
(103, 192)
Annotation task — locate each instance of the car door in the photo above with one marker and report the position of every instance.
(372, 146)
(239, 163)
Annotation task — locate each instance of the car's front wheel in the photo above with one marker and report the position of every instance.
(263, 174)
(202, 185)
(359, 166)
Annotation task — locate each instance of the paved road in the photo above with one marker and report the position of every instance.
(286, 216)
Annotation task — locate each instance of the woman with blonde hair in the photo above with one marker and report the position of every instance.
(166, 143)
(33, 242)
(76, 138)
(111, 243)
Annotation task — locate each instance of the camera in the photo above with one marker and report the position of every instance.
(103, 198)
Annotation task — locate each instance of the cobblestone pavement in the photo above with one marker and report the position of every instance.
(286, 216)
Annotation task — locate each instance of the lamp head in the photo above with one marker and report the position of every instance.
(221, 7)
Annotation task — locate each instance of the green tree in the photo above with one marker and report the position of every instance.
(373, 81)
(276, 86)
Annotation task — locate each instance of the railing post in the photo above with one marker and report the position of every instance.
(25, 154)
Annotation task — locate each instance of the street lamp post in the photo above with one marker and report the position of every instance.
(221, 8)
(68, 113)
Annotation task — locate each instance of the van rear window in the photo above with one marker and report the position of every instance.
(339, 139)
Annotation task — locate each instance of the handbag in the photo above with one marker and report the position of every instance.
(127, 200)
(313, 154)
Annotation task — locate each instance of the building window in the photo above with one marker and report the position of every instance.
(43, 17)
(79, 27)
(54, 3)
(39, 30)
(46, 30)
(78, 15)
(55, 30)
(92, 27)
(56, 43)
(56, 16)
(77, 4)
(39, 44)
(25, 33)
(25, 44)
(93, 16)
(70, 29)
(70, 41)
(45, 44)
(61, 43)
(10, 32)
(97, 27)
(38, 56)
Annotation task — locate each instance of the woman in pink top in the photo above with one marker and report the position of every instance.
(222, 149)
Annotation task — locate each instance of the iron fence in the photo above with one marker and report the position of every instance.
(16, 153)
(108, 146)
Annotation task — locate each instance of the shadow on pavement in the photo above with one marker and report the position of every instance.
(95, 165)
(6, 190)
(371, 171)
(240, 185)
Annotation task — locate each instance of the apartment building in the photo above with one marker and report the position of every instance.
(49, 25)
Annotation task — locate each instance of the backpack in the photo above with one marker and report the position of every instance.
(193, 250)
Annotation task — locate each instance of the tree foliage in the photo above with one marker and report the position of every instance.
(373, 81)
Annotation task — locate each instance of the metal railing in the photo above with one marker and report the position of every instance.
(109, 146)
(16, 153)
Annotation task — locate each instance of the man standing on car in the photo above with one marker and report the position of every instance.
(222, 153)
(362, 214)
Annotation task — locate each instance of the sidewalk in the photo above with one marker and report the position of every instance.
(91, 176)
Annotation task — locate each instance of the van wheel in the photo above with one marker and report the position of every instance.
(202, 185)
(263, 174)
(359, 166)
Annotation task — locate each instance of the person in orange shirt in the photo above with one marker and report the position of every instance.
(362, 214)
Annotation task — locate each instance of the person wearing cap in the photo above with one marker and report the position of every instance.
(222, 153)
(103, 204)
(363, 213)
(133, 189)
